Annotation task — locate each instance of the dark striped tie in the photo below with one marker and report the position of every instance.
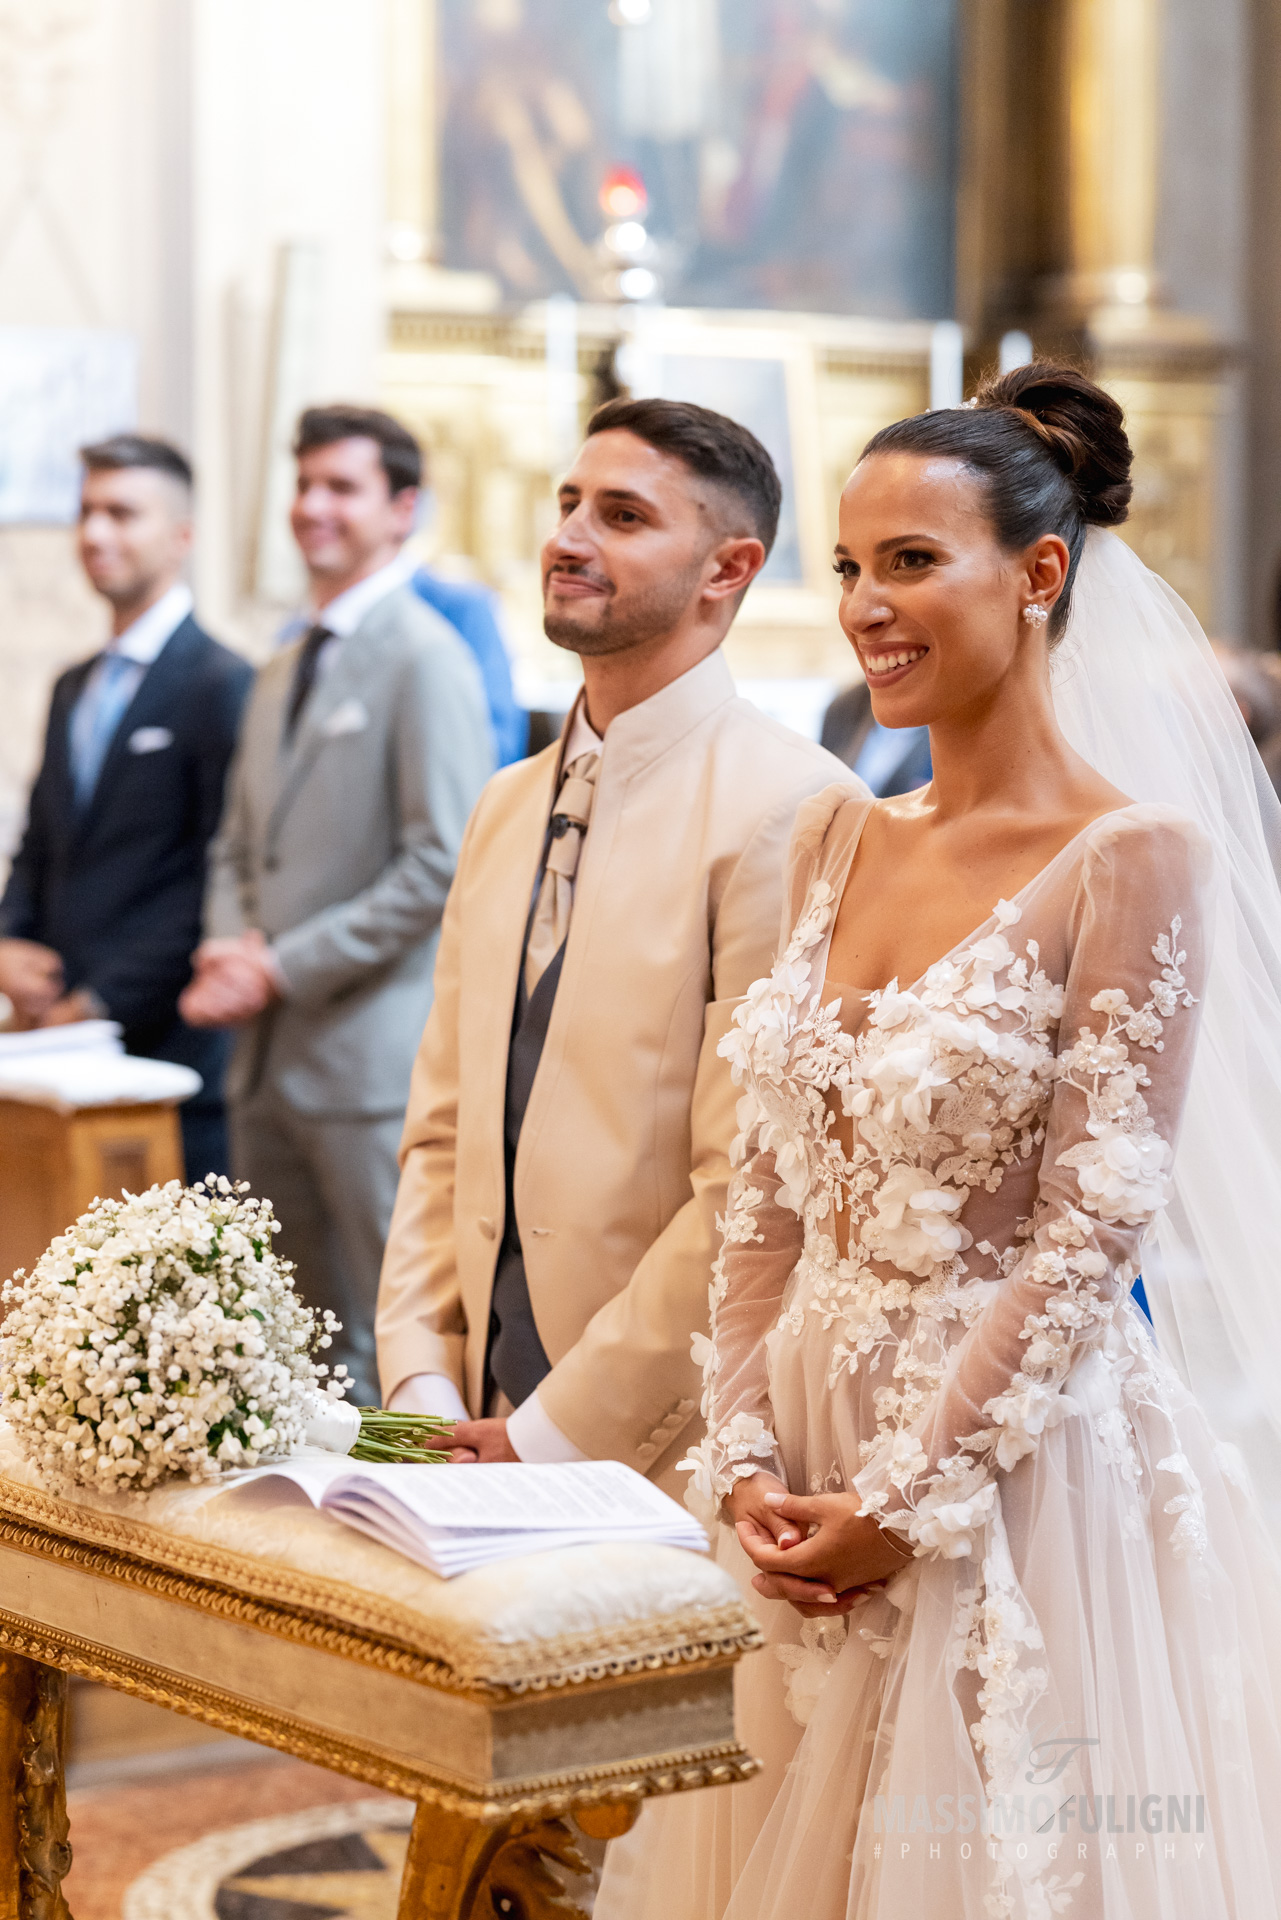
(305, 676)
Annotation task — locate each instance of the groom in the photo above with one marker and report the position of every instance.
(565, 1150)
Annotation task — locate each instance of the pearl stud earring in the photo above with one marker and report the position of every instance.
(1035, 616)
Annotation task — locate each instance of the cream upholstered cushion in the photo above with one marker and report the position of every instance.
(543, 1619)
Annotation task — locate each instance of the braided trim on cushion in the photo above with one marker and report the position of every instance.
(460, 1657)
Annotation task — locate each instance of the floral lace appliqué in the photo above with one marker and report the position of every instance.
(878, 1140)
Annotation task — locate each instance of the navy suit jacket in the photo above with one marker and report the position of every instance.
(117, 890)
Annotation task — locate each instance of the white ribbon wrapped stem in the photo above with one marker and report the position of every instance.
(335, 1426)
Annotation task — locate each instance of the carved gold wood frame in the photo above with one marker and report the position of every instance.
(497, 1771)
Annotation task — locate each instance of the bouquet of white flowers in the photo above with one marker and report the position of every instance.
(161, 1335)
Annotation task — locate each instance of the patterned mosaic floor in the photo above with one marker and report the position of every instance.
(269, 1840)
(327, 1863)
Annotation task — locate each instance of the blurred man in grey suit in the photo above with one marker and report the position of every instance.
(364, 748)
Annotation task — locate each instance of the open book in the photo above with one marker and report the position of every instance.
(453, 1518)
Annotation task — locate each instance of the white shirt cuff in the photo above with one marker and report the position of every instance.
(279, 978)
(534, 1435)
(429, 1393)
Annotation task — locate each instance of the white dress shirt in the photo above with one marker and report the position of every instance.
(532, 1433)
(152, 630)
(346, 610)
(145, 640)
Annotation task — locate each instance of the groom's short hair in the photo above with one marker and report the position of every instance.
(711, 445)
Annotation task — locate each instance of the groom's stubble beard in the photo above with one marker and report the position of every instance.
(626, 622)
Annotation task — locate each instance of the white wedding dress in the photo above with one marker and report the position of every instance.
(1067, 1702)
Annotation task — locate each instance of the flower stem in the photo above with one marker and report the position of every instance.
(402, 1438)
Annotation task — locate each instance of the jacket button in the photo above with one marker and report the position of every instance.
(270, 863)
(488, 1228)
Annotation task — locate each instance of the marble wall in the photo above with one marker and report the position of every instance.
(91, 235)
(287, 145)
(158, 161)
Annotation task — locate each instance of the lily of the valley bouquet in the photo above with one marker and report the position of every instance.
(161, 1335)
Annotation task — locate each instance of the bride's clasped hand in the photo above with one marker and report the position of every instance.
(817, 1551)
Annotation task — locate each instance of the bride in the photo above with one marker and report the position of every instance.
(1021, 1597)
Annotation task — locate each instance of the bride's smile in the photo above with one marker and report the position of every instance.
(887, 669)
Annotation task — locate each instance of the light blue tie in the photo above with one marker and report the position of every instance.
(96, 716)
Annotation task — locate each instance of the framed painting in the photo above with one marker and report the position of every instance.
(59, 388)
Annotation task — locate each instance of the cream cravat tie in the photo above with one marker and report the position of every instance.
(570, 817)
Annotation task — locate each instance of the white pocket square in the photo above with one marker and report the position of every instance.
(149, 739)
(351, 717)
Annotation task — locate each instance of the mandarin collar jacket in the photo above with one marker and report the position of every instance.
(623, 1163)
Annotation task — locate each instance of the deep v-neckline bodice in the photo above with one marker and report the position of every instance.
(819, 970)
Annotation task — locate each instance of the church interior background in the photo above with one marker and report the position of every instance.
(488, 215)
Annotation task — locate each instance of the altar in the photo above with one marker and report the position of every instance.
(79, 1119)
(519, 1706)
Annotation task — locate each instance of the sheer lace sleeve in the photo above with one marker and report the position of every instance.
(763, 1231)
(761, 1243)
(1136, 969)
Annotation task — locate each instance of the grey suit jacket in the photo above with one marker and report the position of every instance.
(341, 844)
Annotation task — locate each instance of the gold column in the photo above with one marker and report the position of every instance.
(411, 129)
(1058, 233)
(1167, 369)
(1113, 130)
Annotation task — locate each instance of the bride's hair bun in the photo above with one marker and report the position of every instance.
(1082, 426)
(1049, 448)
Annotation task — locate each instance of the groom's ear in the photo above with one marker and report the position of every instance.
(736, 562)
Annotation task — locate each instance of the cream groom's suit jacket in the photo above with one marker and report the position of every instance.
(622, 1164)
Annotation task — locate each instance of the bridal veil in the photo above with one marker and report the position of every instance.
(1139, 694)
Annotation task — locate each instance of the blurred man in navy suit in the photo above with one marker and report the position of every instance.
(101, 913)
